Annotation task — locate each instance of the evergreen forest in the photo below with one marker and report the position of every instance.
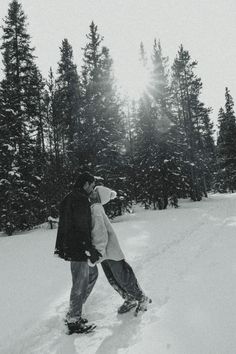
(153, 150)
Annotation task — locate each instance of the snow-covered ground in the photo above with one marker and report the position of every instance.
(185, 260)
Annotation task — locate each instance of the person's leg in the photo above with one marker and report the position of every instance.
(111, 279)
(80, 281)
(93, 275)
(125, 278)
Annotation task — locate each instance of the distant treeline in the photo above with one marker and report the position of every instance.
(153, 150)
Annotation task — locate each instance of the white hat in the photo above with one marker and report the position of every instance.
(105, 194)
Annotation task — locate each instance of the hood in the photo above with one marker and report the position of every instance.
(105, 194)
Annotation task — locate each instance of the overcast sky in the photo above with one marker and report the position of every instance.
(207, 28)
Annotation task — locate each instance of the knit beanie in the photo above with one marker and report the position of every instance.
(105, 194)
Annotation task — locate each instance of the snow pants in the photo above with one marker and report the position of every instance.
(83, 280)
(122, 278)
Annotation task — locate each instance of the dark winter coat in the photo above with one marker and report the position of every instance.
(74, 229)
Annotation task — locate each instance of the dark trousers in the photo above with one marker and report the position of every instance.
(122, 278)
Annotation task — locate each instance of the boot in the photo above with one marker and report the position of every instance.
(127, 306)
(80, 327)
(142, 305)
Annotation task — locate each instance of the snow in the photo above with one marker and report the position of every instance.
(4, 181)
(184, 259)
(9, 147)
(50, 218)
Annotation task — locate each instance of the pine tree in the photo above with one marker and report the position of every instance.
(67, 99)
(131, 170)
(168, 176)
(21, 198)
(155, 150)
(193, 121)
(143, 56)
(52, 121)
(102, 125)
(206, 152)
(226, 146)
(59, 167)
(146, 151)
(6, 152)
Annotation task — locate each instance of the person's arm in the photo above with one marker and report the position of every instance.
(99, 231)
(64, 229)
(82, 227)
(81, 222)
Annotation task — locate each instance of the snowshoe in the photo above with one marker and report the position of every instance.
(142, 305)
(79, 327)
(127, 306)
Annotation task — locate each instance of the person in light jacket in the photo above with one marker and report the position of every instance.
(118, 272)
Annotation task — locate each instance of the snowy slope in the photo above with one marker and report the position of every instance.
(183, 258)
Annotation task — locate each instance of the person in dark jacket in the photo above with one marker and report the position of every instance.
(74, 244)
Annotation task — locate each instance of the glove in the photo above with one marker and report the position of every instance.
(93, 255)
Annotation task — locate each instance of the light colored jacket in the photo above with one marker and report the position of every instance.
(104, 237)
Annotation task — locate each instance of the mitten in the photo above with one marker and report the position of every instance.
(93, 255)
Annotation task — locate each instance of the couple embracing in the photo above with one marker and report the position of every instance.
(85, 237)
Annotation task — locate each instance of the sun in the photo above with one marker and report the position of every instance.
(133, 79)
